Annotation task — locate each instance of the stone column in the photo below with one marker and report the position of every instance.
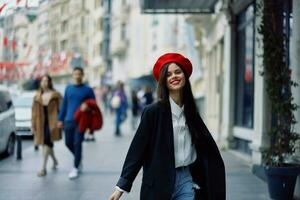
(295, 66)
(228, 87)
(261, 122)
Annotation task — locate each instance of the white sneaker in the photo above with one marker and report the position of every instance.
(73, 173)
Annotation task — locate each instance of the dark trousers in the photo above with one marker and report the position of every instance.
(73, 140)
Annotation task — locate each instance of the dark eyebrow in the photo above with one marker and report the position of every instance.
(175, 71)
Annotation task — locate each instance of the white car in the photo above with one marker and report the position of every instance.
(7, 123)
(23, 106)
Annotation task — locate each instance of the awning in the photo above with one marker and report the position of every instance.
(142, 81)
(177, 6)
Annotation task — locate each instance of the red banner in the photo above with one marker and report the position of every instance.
(12, 70)
(2, 7)
(14, 45)
(5, 41)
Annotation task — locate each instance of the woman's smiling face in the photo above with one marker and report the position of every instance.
(175, 78)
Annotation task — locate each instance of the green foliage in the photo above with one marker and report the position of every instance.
(278, 83)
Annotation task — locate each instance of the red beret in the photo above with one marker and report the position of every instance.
(172, 58)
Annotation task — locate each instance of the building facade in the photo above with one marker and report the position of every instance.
(19, 36)
(236, 103)
(137, 40)
(95, 40)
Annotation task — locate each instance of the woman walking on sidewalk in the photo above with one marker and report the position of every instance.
(44, 120)
(180, 159)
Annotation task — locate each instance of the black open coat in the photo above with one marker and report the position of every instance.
(153, 149)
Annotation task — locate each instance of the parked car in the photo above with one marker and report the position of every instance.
(23, 106)
(7, 123)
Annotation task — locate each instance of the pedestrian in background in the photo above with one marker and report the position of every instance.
(119, 104)
(148, 96)
(140, 95)
(135, 109)
(180, 159)
(75, 95)
(45, 110)
(106, 97)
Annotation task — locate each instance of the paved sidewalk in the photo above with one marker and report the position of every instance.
(102, 162)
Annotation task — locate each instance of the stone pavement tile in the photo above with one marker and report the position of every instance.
(12, 194)
(53, 195)
(240, 182)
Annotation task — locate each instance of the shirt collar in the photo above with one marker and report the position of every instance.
(176, 109)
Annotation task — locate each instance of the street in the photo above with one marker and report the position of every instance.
(102, 162)
(214, 58)
(26, 143)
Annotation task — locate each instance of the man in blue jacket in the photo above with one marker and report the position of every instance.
(75, 95)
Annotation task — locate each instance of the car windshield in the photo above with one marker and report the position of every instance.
(23, 102)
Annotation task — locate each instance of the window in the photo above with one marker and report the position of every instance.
(98, 3)
(155, 21)
(242, 145)
(64, 26)
(101, 48)
(99, 24)
(105, 48)
(82, 24)
(83, 4)
(63, 9)
(107, 5)
(3, 107)
(123, 31)
(244, 93)
(287, 26)
(5, 101)
(64, 45)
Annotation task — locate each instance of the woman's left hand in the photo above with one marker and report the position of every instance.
(116, 195)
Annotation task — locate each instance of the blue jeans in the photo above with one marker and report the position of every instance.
(120, 118)
(183, 189)
(73, 140)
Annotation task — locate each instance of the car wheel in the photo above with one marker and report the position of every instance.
(10, 148)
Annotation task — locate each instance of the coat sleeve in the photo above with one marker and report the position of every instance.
(33, 115)
(136, 153)
(59, 103)
(63, 108)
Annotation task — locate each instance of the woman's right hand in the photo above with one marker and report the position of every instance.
(116, 195)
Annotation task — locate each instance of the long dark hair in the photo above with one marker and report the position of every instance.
(190, 107)
(50, 83)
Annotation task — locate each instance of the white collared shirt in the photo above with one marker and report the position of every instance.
(185, 152)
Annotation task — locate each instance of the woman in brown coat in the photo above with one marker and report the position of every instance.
(44, 120)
